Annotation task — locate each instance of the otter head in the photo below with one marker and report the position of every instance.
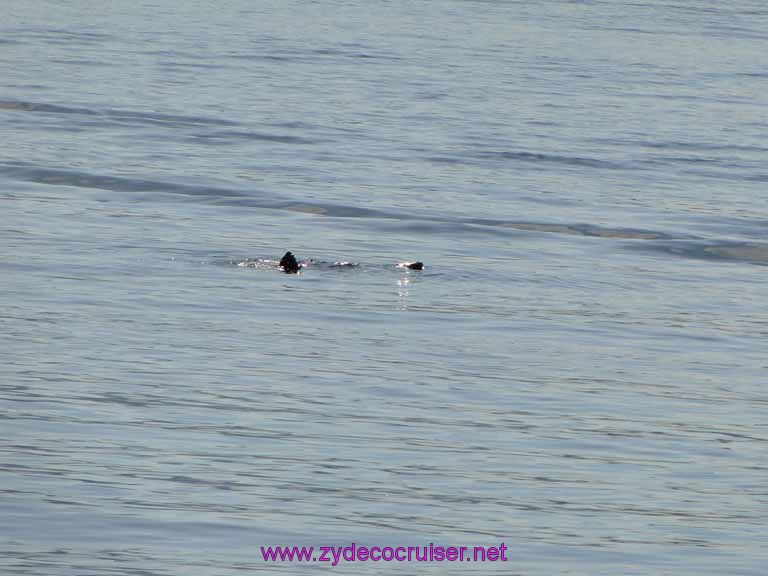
(289, 264)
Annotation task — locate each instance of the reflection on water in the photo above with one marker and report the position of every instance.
(403, 285)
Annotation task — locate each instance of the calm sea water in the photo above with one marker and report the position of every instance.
(579, 372)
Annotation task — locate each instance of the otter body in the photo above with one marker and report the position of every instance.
(413, 265)
(289, 264)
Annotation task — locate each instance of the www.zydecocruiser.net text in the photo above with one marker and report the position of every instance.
(354, 553)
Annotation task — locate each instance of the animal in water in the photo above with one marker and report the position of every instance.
(289, 264)
(412, 265)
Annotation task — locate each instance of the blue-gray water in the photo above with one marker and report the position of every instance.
(579, 372)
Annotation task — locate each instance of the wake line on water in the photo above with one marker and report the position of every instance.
(688, 246)
(115, 114)
(220, 131)
(230, 196)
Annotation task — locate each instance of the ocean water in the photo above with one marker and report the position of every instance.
(579, 372)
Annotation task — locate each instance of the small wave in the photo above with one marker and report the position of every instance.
(757, 253)
(312, 56)
(59, 177)
(230, 136)
(750, 252)
(537, 157)
(738, 176)
(355, 51)
(577, 229)
(80, 62)
(253, 56)
(677, 145)
(533, 158)
(142, 117)
(59, 35)
(731, 32)
(173, 65)
(752, 74)
(341, 211)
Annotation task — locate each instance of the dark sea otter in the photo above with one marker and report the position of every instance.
(412, 265)
(290, 265)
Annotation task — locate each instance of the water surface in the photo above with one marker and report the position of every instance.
(578, 372)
